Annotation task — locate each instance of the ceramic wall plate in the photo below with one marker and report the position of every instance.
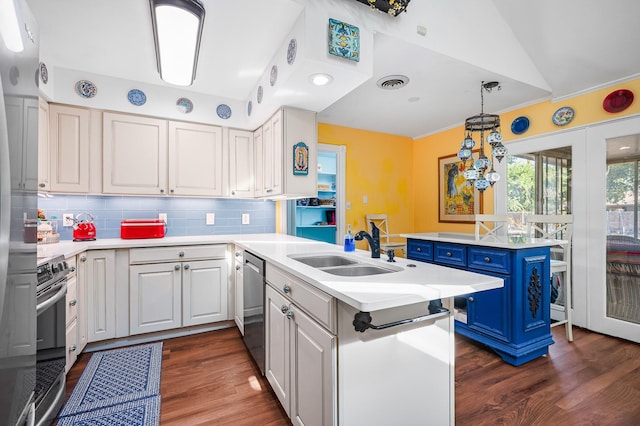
(223, 111)
(274, 75)
(44, 73)
(291, 51)
(137, 97)
(184, 105)
(249, 108)
(563, 116)
(344, 40)
(520, 125)
(86, 89)
(618, 100)
(259, 95)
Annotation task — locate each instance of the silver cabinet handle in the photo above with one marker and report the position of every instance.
(187, 266)
(471, 299)
(286, 288)
(284, 309)
(237, 267)
(362, 320)
(269, 190)
(73, 303)
(238, 254)
(177, 267)
(42, 185)
(161, 191)
(83, 258)
(419, 249)
(72, 269)
(449, 254)
(72, 348)
(181, 254)
(487, 259)
(233, 192)
(289, 315)
(172, 191)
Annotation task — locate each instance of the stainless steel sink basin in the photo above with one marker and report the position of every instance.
(357, 270)
(324, 260)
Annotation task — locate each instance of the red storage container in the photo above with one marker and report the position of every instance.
(142, 228)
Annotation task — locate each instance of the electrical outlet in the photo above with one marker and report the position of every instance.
(245, 218)
(348, 205)
(211, 218)
(67, 219)
(365, 199)
(163, 216)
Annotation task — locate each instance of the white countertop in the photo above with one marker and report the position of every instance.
(509, 242)
(408, 285)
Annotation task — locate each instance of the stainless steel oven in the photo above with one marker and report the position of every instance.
(253, 311)
(50, 338)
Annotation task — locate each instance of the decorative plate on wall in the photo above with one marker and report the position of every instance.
(44, 73)
(344, 40)
(136, 97)
(86, 89)
(249, 108)
(563, 116)
(618, 100)
(520, 125)
(291, 51)
(184, 105)
(274, 75)
(223, 111)
(259, 95)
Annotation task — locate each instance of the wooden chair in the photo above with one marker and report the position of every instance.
(386, 243)
(559, 227)
(499, 225)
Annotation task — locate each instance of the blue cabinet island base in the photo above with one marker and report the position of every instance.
(514, 321)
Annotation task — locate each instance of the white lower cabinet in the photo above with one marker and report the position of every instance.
(300, 361)
(239, 290)
(100, 276)
(181, 293)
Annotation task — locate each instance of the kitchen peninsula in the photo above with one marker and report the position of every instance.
(320, 364)
(513, 320)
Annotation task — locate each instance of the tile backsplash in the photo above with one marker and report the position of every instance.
(185, 216)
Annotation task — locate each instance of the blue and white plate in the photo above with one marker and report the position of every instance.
(249, 108)
(259, 95)
(136, 97)
(86, 89)
(563, 116)
(223, 111)
(184, 105)
(520, 125)
(44, 73)
(274, 75)
(291, 51)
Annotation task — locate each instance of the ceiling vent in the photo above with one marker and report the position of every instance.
(393, 82)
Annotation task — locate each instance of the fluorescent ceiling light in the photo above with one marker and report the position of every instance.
(10, 27)
(177, 30)
(321, 79)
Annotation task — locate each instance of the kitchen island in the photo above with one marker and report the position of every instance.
(514, 320)
(370, 349)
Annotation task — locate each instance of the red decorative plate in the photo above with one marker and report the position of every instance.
(618, 100)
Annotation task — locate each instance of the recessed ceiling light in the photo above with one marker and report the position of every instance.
(320, 79)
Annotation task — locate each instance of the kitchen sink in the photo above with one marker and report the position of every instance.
(324, 260)
(357, 270)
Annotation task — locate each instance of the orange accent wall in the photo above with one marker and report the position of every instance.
(379, 166)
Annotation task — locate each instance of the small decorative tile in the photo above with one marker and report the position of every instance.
(223, 111)
(249, 108)
(86, 89)
(137, 97)
(184, 105)
(344, 40)
(274, 75)
(291, 51)
(259, 95)
(44, 73)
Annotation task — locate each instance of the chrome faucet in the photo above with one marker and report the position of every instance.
(373, 240)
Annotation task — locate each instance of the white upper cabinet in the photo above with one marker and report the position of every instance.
(134, 155)
(241, 164)
(43, 146)
(25, 112)
(69, 142)
(195, 160)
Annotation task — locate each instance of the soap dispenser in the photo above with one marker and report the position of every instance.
(349, 243)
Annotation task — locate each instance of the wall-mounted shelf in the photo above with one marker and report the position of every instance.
(307, 216)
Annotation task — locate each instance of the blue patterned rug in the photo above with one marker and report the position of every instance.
(143, 412)
(116, 377)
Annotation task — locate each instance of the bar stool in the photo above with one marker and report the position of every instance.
(499, 224)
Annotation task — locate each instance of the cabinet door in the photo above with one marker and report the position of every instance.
(313, 373)
(24, 113)
(81, 277)
(71, 345)
(30, 168)
(490, 311)
(239, 292)
(204, 292)
(272, 147)
(134, 155)
(43, 146)
(195, 159)
(69, 148)
(101, 305)
(241, 164)
(71, 312)
(154, 297)
(258, 149)
(277, 350)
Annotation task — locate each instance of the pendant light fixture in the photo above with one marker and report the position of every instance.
(177, 30)
(480, 172)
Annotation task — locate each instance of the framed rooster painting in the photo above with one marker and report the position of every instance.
(458, 200)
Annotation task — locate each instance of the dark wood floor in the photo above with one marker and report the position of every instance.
(209, 379)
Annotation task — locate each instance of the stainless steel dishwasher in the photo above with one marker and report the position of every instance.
(253, 310)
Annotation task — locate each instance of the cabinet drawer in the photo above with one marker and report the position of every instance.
(315, 302)
(176, 253)
(488, 259)
(420, 250)
(71, 262)
(71, 311)
(450, 254)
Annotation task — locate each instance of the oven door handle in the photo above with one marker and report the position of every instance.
(62, 292)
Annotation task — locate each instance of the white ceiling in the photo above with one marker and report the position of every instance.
(536, 49)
